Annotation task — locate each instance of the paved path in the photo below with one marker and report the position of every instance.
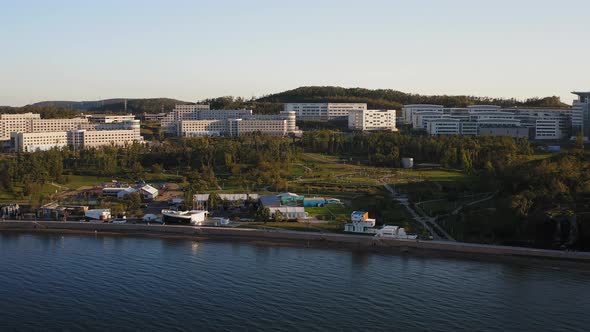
(473, 203)
(427, 222)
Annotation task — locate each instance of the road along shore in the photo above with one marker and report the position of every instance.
(278, 237)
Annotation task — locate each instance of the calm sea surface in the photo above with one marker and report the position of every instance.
(79, 282)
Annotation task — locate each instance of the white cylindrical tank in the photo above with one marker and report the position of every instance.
(408, 162)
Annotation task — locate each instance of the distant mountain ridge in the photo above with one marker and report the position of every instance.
(376, 99)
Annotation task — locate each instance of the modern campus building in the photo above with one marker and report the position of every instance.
(206, 122)
(371, 120)
(581, 114)
(323, 111)
(409, 110)
(180, 112)
(534, 123)
(28, 132)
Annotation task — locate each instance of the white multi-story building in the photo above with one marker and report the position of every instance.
(581, 114)
(420, 119)
(409, 110)
(548, 129)
(369, 120)
(444, 126)
(48, 125)
(15, 123)
(180, 112)
(83, 139)
(29, 132)
(29, 142)
(278, 125)
(323, 111)
(197, 128)
(539, 123)
(546, 123)
(170, 123)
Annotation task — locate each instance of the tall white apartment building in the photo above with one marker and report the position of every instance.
(370, 120)
(323, 111)
(15, 123)
(581, 114)
(32, 123)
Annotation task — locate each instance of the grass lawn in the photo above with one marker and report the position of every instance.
(78, 181)
(316, 211)
(435, 175)
(330, 211)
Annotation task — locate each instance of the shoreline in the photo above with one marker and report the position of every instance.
(294, 238)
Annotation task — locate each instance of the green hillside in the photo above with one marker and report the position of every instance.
(387, 98)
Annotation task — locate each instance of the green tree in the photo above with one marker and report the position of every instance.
(262, 213)
(278, 216)
(214, 201)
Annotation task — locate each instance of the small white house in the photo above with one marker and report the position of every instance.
(361, 223)
(395, 232)
(148, 192)
(98, 214)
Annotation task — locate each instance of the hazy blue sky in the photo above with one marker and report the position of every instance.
(81, 50)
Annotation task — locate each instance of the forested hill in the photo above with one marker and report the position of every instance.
(392, 99)
(47, 112)
(117, 105)
(377, 99)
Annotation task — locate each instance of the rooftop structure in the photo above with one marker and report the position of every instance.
(148, 192)
(110, 118)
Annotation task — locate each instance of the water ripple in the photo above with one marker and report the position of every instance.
(74, 282)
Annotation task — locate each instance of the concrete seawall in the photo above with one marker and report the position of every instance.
(358, 242)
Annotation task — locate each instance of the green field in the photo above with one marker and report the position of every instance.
(79, 181)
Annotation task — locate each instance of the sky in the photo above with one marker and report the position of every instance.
(196, 49)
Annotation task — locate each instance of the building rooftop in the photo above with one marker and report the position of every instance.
(270, 201)
(149, 189)
(227, 197)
